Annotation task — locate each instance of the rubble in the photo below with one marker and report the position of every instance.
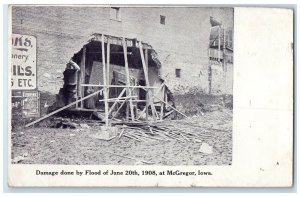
(84, 126)
(18, 159)
(105, 133)
(206, 148)
(164, 144)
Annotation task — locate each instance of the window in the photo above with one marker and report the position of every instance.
(115, 13)
(162, 19)
(177, 72)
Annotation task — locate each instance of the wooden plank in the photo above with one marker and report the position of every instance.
(162, 105)
(138, 137)
(131, 137)
(120, 99)
(127, 77)
(121, 133)
(123, 102)
(65, 107)
(128, 53)
(142, 112)
(104, 81)
(78, 85)
(219, 43)
(82, 71)
(167, 114)
(118, 41)
(224, 61)
(119, 86)
(170, 106)
(166, 97)
(147, 92)
(156, 114)
(80, 78)
(108, 63)
(150, 97)
(147, 104)
(187, 139)
(120, 95)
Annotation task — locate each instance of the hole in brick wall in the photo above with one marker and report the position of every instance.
(93, 69)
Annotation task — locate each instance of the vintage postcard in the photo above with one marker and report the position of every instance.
(165, 96)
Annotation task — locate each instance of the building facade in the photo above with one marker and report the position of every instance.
(180, 36)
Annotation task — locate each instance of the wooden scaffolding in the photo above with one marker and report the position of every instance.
(116, 103)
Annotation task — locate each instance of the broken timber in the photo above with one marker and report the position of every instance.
(149, 93)
(170, 106)
(104, 82)
(113, 105)
(127, 78)
(65, 107)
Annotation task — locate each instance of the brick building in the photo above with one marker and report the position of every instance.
(182, 37)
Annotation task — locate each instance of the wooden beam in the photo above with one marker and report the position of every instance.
(167, 114)
(127, 77)
(121, 98)
(147, 92)
(147, 104)
(118, 41)
(145, 68)
(170, 106)
(123, 102)
(78, 86)
(82, 71)
(80, 77)
(142, 112)
(128, 53)
(108, 63)
(104, 81)
(224, 61)
(120, 95)
(65, 107)
(219, 43)
(119, 86)
(162, 104)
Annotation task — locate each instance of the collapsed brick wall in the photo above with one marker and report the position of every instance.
(62, 31)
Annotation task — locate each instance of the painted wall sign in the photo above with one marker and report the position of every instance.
(23, 66)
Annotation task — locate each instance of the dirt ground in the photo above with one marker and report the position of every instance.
(42, 145)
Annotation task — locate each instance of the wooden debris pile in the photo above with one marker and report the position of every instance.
(157, 133)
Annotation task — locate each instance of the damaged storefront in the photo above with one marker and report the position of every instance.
(115, 79)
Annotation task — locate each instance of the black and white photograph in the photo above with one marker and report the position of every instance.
(122, 85)
(149, 96)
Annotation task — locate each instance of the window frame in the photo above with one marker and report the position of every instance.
(115, 14)
(162, 19)
(177, 72)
